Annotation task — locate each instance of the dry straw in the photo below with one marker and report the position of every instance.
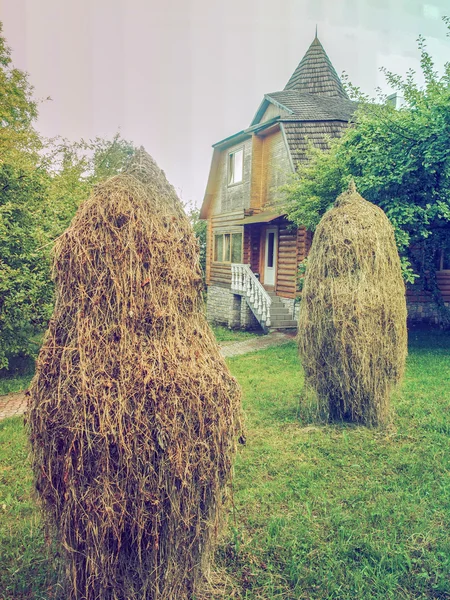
(133, 413)
(352, 325)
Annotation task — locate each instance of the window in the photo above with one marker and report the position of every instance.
(235, 166)
(443, 260)
(228, 247)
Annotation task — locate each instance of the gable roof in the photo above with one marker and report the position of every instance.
(316, 75)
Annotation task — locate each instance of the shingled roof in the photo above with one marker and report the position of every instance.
(300, 134)
(316, 75)
(311, 107)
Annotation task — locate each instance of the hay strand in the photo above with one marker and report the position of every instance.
(352, 323)
(133, 413)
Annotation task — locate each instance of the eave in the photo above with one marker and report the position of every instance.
(263, 107)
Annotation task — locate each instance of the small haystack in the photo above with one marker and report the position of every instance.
(133, 412)
(352, 325)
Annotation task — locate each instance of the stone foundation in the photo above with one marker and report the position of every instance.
(231, 310)
(424, 312)
(293, 307)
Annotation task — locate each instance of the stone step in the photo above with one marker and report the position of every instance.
(280, 310)
(285, 317)
(284, 325)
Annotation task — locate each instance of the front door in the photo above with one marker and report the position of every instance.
(270, 259)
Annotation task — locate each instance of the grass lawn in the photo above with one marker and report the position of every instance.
(321, 511)
(18, 377)
(223, 334)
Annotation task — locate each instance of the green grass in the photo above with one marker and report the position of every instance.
(223, 334)
(321, 511)
(18, 377)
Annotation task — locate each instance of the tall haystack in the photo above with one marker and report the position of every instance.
(352, 325)
(133, 413)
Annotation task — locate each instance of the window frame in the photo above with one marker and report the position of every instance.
(227, 248)
(231, 167)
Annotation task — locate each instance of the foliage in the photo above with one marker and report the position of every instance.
(17, 107)
(74, 168)
(399, 159)
(321, 512)
(42, 183)
(25, 292)
(199, 226)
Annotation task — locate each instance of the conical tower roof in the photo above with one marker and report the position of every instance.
(316, 75)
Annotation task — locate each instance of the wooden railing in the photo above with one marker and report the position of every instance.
(244, 282)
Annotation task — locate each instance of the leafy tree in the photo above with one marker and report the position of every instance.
(25, 290)
(41, 185)
(199, 227)
(74, 168)
(400, 160)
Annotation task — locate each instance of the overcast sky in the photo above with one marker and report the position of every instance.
(177, 76)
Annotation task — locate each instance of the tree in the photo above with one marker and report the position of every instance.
(24, 291)
(400, 160)
(42, 183)
(199, 227)
(74, 168)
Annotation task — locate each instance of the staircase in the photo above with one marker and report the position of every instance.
(267, 307)
(280, 317)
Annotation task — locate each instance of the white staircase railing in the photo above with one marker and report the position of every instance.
(244, 282)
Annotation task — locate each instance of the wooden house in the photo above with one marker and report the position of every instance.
(253, 252)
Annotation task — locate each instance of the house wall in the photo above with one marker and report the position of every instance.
(420, 304)
(287, 262)
(236, 196)
(276, 167)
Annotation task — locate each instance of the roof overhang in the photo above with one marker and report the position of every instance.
(263, 107)
(262, 217)
(233, 139)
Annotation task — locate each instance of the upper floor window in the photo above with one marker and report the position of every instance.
(235, 166)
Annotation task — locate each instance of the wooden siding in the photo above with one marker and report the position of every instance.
(304, 239)
(443, 278)
(276, 167)
(415, 293)
(287, 262)
(255, 256)
(256, 190)
(229, 198)
(220, 272)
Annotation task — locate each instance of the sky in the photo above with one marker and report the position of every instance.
(176, 76)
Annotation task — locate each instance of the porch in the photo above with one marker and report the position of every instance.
(256, 258)
(268, 309)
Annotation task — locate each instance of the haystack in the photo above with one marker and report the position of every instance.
(352, 324)
(133, 413)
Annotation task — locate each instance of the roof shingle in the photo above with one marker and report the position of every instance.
(311, 107)
(316, 75)
(299, 135)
